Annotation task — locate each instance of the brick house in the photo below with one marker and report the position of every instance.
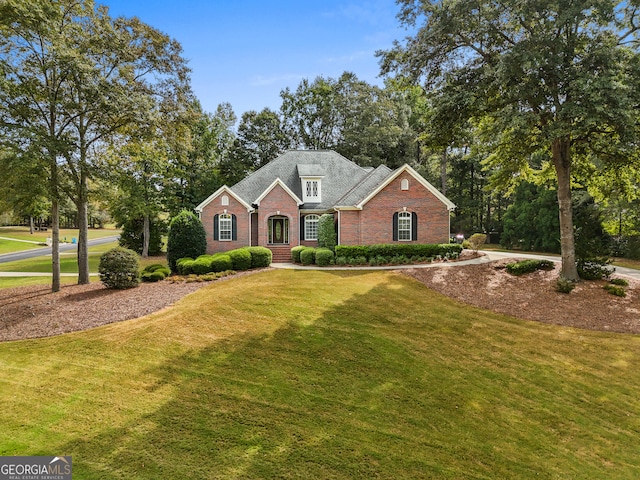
(278, 206)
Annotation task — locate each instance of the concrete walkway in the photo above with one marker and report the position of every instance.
(489, 256)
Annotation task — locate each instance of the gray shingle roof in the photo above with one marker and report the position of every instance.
(362, 189)
(340, 176)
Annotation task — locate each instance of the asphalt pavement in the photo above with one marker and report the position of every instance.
(64, 247)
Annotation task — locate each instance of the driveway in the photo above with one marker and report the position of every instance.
(64, 247)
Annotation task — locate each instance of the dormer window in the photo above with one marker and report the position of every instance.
(312, 191)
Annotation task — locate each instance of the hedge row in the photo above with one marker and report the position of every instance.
(395, 249)
(528, 266)
(239, 259)
(373, 254)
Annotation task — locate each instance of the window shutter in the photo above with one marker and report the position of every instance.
(215, 228)
(302, 220)
(414, 226)
(234, 228)
(395, 227)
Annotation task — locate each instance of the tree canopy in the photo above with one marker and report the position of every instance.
(555, 81)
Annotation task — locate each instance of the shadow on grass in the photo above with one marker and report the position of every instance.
(371, 389)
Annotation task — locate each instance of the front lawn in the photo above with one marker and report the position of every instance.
(316, 374)
(66, 234)
(68, 261)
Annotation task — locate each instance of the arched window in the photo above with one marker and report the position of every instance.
(404, 184)
(311, 227)
(224, 227)
(405, 226)
(225, 200)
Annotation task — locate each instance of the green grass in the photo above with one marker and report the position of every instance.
(10, 246)
(68, 261)
(289, 374)
(22, 233)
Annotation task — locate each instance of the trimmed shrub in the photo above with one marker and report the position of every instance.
(260, 257)
(594, 268)
(153, 276)
(241, 258)
(564, 285)
(295, 253)
(119, 268)
(221, 263)
(327, 237)
(324, 257)
(187, 238)
(389, 250)
(154, 273)
(308, 256)
(183, 265)
(201, 265)
(477, 240)
(621, 282)
(615, 290)
(528, 266)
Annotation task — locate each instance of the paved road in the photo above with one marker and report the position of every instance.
(64, 247)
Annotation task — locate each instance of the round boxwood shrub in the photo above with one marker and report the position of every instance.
(241, 259)
(187, 238)
(260, 257)
(201, 265)
(153, 276)
(221, 263)
(183, 265)
(295, 253)
(119, 268)
(324, 257)
(308, 256)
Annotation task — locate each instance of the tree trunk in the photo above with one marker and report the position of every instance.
(145, 237)
(55, 246)
(31, 224)
(443, 172)
(561, 149)
(83, 243)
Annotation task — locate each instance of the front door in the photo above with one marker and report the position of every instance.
(278, 230)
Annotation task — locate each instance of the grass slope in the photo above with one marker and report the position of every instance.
(287, 374)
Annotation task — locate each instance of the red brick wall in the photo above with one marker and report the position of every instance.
(242, 219)
(374, 224)
(278, 200)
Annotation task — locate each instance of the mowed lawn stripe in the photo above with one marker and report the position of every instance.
(286, 374)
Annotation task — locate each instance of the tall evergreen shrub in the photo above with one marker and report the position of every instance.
(187, 238)
(327, 237)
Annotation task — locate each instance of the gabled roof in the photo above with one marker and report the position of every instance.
(406, 168)
(339, 176)
(217, 193)
(276, 182)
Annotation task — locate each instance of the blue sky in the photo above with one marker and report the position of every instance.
(246, 51)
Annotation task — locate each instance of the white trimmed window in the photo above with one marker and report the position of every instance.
(225, 226)
(311, 227)
(404, 226)
(225, 200)
(404, 184)
(312, 191)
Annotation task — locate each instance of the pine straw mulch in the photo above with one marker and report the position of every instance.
(34, 311)
(534, 297)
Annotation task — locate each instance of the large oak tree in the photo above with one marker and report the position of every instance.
(549, 79)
